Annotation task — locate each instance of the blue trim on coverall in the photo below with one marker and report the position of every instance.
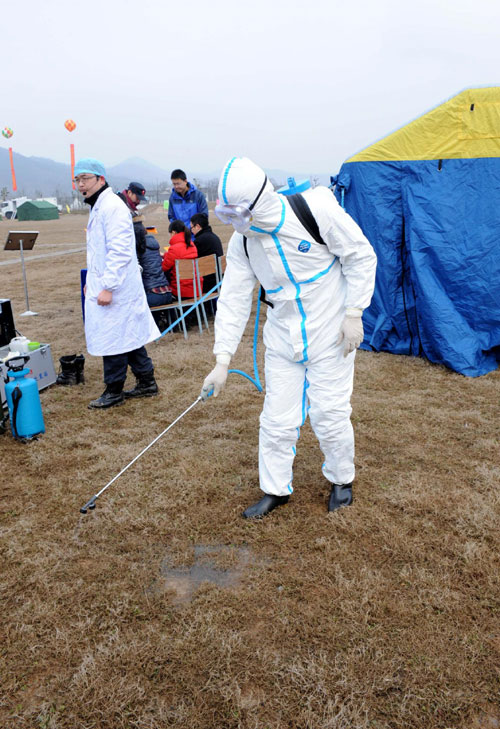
(305, 406)
(224, 181)
(318, 275)
(290, 276)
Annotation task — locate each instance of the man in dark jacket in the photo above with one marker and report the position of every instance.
(207, 243)
(205, 240)
(132, 196)
(185, 200)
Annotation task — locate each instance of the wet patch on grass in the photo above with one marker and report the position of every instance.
(221, 565)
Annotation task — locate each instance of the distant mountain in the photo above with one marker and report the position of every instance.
(279, 177)
(36, 176)
(136, 169)
(41, 177)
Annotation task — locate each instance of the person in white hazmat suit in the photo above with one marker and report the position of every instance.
(317, 294)
(118, 322)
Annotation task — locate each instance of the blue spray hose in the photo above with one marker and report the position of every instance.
(191, 308)
(254, 380)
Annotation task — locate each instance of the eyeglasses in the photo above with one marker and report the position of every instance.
(83, 178)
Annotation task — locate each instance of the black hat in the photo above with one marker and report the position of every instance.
(138, 190)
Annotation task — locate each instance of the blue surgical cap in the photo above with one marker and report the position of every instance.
(90, 166)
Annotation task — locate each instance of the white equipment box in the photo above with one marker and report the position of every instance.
(40, 364)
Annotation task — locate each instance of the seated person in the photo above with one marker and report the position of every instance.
(181, 246)
(158, 292)
(207, 243)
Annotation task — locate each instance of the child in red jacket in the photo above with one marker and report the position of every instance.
(181, 246)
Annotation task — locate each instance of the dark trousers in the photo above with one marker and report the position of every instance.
(158, 299)
(160, 317)
(115, 365)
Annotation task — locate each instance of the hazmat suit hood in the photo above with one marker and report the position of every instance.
(240, 183)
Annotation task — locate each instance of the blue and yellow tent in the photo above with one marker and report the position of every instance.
(428, 199)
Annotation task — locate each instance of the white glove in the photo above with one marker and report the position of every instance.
(351, 331)
(217, 378)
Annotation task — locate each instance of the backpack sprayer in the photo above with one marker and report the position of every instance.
(23, 400)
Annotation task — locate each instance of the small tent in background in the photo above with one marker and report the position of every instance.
(37, 210)
(428, 199)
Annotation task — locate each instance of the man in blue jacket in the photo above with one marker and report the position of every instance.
(186, 200)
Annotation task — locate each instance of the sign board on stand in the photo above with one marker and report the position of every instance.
(22, 240)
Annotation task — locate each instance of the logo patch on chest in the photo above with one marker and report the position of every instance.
(304, 246)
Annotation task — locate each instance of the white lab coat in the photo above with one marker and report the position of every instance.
(127, 323)
(310, 286)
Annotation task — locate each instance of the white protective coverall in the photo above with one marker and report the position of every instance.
(310, 286)
(127, 323)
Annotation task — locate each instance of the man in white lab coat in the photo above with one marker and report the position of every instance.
(118, 322)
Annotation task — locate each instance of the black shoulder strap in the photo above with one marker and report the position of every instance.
(16, 396)
(304, 214)
(262, 289)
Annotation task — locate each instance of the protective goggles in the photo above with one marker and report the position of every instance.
(238, 215)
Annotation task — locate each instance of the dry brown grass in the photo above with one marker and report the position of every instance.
(384, 615)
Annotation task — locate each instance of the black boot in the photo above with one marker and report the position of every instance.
(341, 495)
(112, 395)
(79, 364)
(145, 386)
(67, 373)
(267, 503)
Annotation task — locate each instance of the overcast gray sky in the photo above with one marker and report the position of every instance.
(296, 85)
